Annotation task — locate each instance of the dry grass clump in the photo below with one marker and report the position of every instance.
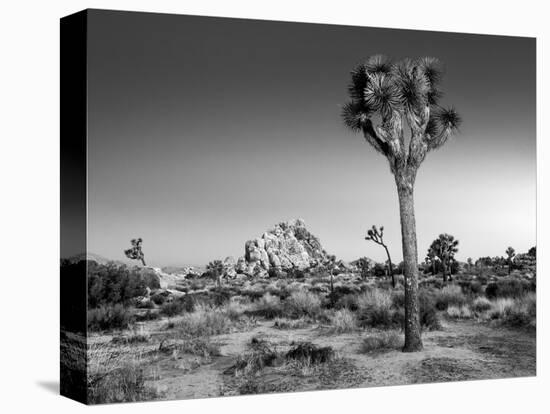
(450, 295)
(115, 375)
(481, 304)
(204, 321)
(268, 306)
(343, 321)
(302, 303)
(199, 346)
(381, 341)
(284, 323)
(374, 309)
(459, 312)
(500, 307)
(306, 352)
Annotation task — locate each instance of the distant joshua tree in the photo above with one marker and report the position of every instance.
(403, 96)
(215, 269)
(431, 259)
(470, 263)
(377, 236)
(445, 247)
(135, 252)
(329, 263)
(510, 252)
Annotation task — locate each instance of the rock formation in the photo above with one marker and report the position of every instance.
(288, 245)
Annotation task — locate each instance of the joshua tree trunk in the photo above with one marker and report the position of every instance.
(390, 269)
(143, 261)
(405, 185)
(444, 264)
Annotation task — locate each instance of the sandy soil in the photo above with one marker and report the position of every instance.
(463, 350)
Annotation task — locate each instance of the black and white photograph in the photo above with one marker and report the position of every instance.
(299, 206)
(277, 207)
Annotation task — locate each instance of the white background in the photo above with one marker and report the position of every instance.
(29, 191)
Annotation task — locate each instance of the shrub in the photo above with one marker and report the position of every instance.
(348, 301)
(343, 321)
(306, 352)
(261, 355)
(375, 309)
(124, 384)
(283, 323)
(500, 308)
(178, 306)
(523, 313)
(204, 321)
(200, 347)
(508, 288)
(449, 295)
(268, 306)
(481, 304)
(108, 317)
(428, 312)
(459, 312)
(381, 341)
(303, 303)
(115, 284)
(159, 298)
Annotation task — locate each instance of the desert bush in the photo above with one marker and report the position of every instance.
(343, 321)
(428, 312)
(200, 347)
(147, 316)
(302, 303)
(124, 384)
(178, 306)
(375, 309)
(481, 304)
(449, 295)
(381, 341)
(268, 306)
(500, 307)
(284, 323)
(508, 288)
(516, 313)
(108, 317)
(306, 352)
(347, 302)
(471, 287)
(116, 284)
(459, 312)
(204, 321)
(260, 355)
(159, 298)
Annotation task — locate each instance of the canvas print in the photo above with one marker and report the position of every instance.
(256, 207)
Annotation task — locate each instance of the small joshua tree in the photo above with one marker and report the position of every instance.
(329, 264)
(431, 259)
(470, 263)
(215, 269)
(510, 252)
(445, 247)
(135, 252)
(377, 236)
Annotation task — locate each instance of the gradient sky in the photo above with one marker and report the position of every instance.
(205, 132)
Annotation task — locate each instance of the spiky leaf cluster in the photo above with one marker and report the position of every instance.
(135, 252)
(394, 90)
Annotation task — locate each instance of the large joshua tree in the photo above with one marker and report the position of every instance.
(444, 248)
(386, 97)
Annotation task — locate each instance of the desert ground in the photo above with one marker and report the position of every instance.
(202, 338)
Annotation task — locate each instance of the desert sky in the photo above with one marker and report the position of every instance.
(205, 132)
